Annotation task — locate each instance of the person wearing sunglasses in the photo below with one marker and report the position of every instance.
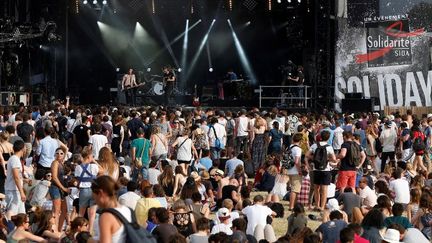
(58, 189)
(20, 233)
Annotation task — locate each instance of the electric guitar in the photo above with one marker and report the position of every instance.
(196, 100)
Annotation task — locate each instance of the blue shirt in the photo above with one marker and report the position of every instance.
(330, 140)
(206, 162)
(46, 151)
(231, 165)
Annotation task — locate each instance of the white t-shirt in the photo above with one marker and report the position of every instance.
(256, 214)
(388, 138)
(129, 199)
(401, 189)
(92, 168)
(331, 190)
(414, 235)
(295, 152)
(221, 228)
(97, 141)
(368, 196)
(153, 175)
(220, 132)
(13, 162)
(329, 149)
(338, 138)
(242, 129)
(184, 152)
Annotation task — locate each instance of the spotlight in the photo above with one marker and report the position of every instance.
(279, 1)
(148, 70)
(94, 1)
(179, 70)
(211, 70)
(85, 2)
(40, 46)
(104, 2)
(248, 23)
(117, 69)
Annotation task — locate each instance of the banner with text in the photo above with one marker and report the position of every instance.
(387, 57)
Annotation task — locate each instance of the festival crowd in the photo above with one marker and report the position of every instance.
(155, 174)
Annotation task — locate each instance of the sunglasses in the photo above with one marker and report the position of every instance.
(59, 153)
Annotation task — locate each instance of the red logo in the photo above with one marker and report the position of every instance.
(393, 30)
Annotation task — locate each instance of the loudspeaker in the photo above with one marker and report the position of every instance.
(353, 95)
(356, 105)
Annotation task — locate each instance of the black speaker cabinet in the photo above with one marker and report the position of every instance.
(357, 105)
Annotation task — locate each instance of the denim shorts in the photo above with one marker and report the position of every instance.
(86, 198)
(55, 193)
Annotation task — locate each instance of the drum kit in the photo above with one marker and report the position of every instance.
(157, 86)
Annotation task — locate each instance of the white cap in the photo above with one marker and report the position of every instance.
(392, 236)
(333, 205)
(223, 213)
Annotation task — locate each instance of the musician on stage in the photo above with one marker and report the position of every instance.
(169, 79)
(298, 80)
(128, 83)
(231, 75)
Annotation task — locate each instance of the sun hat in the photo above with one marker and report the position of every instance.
(333, 204)
(391, 236)
(195, 176)
(223, 213)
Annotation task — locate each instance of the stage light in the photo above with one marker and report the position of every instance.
(299, 1)
(200, 48)
(211, 70)
(40, 46)
(104, 2)
(243, 57)
(279, 1)
(85, 2)
(95, 2)
(148, 70)
(185, 47)
(117, 69)
(270, 5)
(179, 70)
(230, 5)
(289, 1)
(248, 23)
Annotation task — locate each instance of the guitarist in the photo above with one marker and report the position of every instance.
(169, 79)
(128, 82)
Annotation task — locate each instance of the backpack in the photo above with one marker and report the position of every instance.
(134, 232)
(320, 157)
(354, 154)
(419, 143)
(288, 160)
(230, 127)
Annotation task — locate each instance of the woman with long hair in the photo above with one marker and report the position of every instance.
(381, 188)
(414, 205)
(258, 142)
(21, 233)
(200, 139)
(370, 150)
(180, 179)
(184, 219)
(417, 134)
(189, 188)
(6, 151)
(159, 144)
(58, 189)
(167, 180)
(108, 164)
(104, 190)
(118, 135)
(372, 223)
(275, 139)
(46, 226)
(78, 225)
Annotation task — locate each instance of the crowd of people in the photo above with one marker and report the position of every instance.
(93, 174)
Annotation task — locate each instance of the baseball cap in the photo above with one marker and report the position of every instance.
(333, 204)
(223, 213)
